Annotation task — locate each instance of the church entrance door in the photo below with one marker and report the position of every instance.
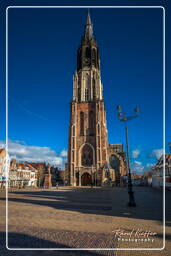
(86, 179)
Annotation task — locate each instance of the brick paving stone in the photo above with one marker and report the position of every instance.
(82, 217)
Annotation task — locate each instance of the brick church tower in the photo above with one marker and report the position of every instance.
(88, 142)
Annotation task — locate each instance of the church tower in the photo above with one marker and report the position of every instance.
(88, 143)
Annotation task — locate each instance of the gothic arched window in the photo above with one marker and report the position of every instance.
(91, 123)
(79, 94)
(73, 130)
(88, 52)
(94, 89)
(98, 129)
(79, 55)
(87, 87)
(87, 96)
(81, 123)
(87, 156)
(94, 56)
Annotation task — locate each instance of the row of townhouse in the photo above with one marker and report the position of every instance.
(158, 172)
(22, 175)
(17, 174)
(27, 174)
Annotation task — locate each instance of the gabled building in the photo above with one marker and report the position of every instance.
(157, 172)
(22, 175)
(41, 168)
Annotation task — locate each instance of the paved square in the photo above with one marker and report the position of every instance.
(84, 218)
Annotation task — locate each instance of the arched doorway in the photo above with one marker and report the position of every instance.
(86, 179)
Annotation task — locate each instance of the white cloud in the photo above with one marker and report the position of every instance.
(64, 153)
(22, 152)
(135, 153)
(137, 167)
(137, 163)
(157, 153)
(149, 165)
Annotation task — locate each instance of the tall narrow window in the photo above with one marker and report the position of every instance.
(94, 57)
(81, 123)
(73, 130)
(73, 142)
(86, 94)
(99, 154)
(94, 89)
(91, 123)
(98, 129)
(87, 87)
(79, 94)
(88, 52)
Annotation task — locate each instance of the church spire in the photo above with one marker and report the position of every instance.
(88, 34)
(88, 19)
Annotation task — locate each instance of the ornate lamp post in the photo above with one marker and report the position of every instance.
(92, 176)
(122, 117)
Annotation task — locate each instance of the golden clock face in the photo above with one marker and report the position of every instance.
(86, 60)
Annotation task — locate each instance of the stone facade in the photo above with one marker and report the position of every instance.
(88, 154)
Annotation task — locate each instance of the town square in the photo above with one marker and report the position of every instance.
(85, 160)
(85, 218)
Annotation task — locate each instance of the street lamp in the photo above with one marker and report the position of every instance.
(122, 117)
(92, 176)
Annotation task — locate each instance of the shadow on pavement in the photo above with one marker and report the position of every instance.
(109, 202)
(25, 241)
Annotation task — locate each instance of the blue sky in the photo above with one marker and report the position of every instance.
(42, 60)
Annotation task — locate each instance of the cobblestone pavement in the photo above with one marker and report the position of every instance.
(84, 218)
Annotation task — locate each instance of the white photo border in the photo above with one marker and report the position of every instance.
(7, 170)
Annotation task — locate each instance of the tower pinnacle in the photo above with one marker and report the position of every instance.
(88, 19)
(88, 34)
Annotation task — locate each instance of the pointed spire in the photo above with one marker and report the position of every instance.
(88, 19)
(88, 28)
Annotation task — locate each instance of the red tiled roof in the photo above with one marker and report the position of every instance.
(21, 165)
(38, 165)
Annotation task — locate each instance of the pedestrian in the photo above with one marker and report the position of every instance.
(57, 185)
